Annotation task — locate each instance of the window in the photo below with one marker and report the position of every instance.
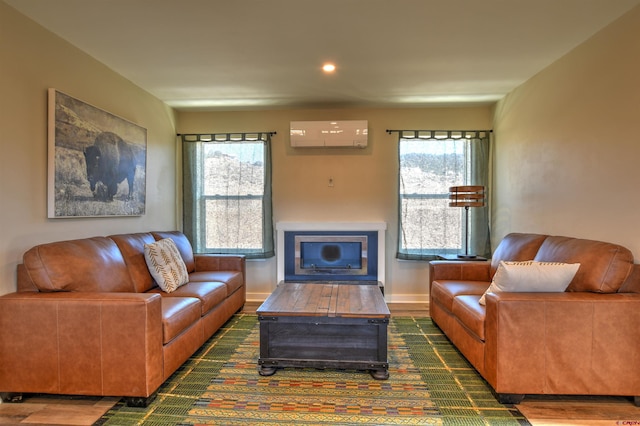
(429, 163)
(227, 193)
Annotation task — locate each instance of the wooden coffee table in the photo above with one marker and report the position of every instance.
(324, 325)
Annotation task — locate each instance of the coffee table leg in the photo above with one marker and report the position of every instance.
(381, 374)
(266, 371)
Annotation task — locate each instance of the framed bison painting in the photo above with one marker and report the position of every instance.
(96, 161)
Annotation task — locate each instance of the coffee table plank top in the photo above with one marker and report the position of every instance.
(326, 299)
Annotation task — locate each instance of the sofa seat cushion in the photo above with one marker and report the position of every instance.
(444, 291)
(178, 314)
(210, 294)
(232, 279)
(470, 313)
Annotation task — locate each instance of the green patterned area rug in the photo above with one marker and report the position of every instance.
(430, 383)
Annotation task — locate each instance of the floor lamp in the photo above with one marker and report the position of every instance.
(466, 196)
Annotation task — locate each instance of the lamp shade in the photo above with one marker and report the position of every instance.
(466, 196)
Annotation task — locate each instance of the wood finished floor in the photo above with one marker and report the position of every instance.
(540, 411)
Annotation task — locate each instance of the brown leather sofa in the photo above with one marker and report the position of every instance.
(88, 318)
(583, 341)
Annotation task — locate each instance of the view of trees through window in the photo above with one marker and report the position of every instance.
(234, 176)
(427, 169)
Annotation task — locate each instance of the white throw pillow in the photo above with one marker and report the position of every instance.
(531, 276)
(165, 264)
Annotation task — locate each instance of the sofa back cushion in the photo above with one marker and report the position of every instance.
(516, 247)
(183, 244)
(88, 265)
(132, 248)
(632, 283)
(604, 267)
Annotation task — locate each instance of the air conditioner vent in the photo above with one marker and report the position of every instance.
(318, 134)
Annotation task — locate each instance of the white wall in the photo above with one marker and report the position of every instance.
(32, 60)
(568, 144)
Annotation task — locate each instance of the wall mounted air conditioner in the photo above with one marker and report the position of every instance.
(347, 133)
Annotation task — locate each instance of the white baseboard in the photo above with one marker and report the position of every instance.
(257, 297)
(406, 298)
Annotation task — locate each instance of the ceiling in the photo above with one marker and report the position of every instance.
(257, 54)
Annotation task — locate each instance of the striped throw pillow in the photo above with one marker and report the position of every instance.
(166, 265)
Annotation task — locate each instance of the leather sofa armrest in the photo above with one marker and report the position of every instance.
(220, 262)
(562, 343)
(70, 342)
(454, 270)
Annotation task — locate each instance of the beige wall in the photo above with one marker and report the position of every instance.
(365, 180)
(32, 60)
(565, 155)
(568, 144)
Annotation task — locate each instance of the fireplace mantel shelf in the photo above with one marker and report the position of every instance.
(331, 226)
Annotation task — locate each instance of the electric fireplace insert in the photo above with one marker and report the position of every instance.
(331, 256)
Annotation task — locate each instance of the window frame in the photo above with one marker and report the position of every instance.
(195, 199)
(475, 171)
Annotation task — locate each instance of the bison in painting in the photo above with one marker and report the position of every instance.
(110, 160)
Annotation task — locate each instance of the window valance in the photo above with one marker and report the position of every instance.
(226, 137)
(442, 134)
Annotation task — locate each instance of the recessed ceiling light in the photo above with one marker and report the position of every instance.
(328, 67)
